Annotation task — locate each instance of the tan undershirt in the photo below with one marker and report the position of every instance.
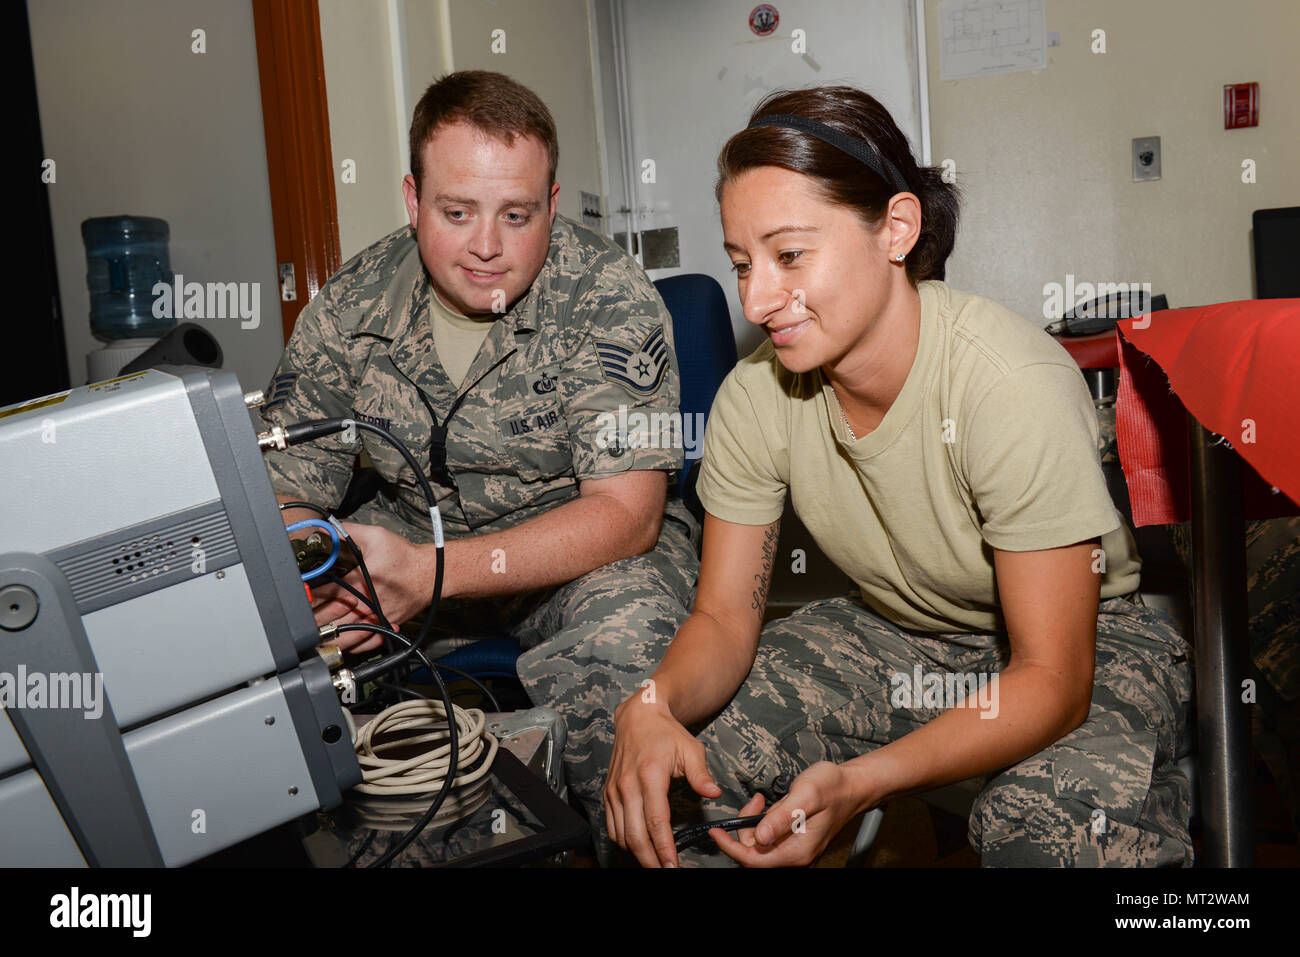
(456, 338)
(992, 444)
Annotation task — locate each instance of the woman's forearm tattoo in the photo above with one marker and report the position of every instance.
(764, 579)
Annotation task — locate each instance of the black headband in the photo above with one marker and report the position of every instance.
(860, 151)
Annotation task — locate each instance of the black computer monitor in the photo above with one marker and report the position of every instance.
(1277, 253)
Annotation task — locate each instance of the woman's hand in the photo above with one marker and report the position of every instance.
(403, 575)
(705, 664)
(797, 828)
(650, 749)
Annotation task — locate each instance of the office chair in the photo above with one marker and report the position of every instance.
(706, 351)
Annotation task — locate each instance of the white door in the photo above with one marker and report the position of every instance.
(694, 69)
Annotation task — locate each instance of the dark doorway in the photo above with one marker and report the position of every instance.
(36, 358)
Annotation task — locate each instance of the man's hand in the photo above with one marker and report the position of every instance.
(797, 828)
(650, 749)
(403, 575)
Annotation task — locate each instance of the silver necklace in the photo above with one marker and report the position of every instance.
(844, 415)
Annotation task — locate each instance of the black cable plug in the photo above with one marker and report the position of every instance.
(301, 432)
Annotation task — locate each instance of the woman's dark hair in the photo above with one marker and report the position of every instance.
(841, 178)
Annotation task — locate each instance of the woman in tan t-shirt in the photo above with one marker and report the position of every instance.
(1074, 712)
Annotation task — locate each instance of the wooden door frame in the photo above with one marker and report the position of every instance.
(300, 165)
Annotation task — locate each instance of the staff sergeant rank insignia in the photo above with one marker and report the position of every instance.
(277, 393)
(641, 371)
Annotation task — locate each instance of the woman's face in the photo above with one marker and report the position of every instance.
(810, 273)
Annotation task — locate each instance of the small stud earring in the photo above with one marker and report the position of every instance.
(898, 258)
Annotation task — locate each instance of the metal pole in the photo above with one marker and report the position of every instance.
(624, 124)
(1220, 616)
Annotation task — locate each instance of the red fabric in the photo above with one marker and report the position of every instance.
(1227, 363)
(1093, 352)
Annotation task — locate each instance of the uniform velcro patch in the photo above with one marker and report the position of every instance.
(640, 370)
(279, 389)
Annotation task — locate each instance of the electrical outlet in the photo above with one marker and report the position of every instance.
(1146, 158)
(591, 215)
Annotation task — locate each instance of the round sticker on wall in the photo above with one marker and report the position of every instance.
(763, 19)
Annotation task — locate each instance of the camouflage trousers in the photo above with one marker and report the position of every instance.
(595, 639)
(825, 687)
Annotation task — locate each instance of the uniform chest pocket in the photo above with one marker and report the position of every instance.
(532, 427)
(389, 462)
(375, 404)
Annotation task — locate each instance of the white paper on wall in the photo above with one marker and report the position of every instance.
(987, 37)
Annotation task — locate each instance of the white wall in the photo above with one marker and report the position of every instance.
(547, 49)
(696, 71)
(139, 124)
(426, 47)
(363, 120)
(1045, 158)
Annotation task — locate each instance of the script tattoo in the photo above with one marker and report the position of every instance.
(764, 578)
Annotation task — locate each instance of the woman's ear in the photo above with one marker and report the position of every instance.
(903, 219)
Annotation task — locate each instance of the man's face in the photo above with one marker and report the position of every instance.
(483, 217)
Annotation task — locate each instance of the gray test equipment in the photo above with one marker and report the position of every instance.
(140, 541)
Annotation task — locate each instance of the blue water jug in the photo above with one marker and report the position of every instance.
(125, 257)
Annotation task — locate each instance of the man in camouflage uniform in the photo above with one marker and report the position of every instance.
(560, 529)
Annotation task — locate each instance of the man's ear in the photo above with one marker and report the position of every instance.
(555, 195)
(411, 198)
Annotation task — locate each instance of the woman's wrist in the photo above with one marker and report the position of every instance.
(873, 779)
(650, 692)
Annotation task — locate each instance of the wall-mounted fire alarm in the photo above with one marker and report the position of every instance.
(1240, 105)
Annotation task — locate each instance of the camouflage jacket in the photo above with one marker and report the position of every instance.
(533, 414)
